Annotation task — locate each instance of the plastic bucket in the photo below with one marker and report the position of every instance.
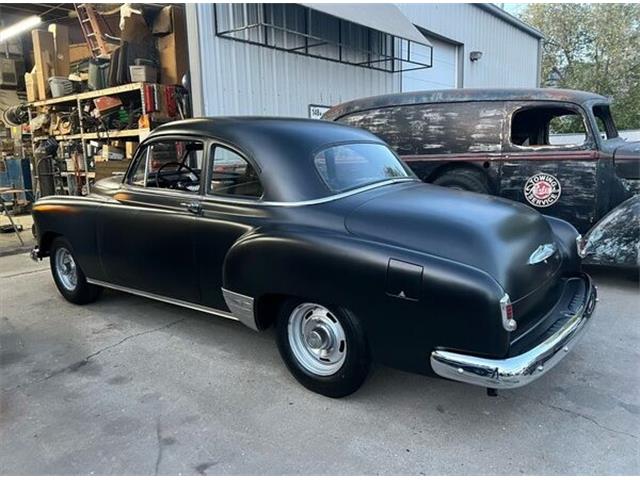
(60, 86)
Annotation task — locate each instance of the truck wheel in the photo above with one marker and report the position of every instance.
(325, 349)
(68, 275)
(464, 179)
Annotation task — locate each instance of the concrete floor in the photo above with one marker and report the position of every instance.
(132, 386)
(9, 242)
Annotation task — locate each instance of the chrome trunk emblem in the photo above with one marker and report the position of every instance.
(542, 253)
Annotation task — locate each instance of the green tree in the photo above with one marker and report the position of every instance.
(592, 47)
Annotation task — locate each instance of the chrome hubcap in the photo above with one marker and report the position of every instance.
(66, 269)
(317, 339)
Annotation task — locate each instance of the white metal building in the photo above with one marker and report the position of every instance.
(296, 59)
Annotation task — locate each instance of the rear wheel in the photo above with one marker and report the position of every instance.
(464, 179)
(324, 348)
(68, 275)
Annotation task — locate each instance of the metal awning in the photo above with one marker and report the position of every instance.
(376, 36)
(383, 17)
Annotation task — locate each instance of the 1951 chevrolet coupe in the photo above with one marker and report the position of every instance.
(321, 230)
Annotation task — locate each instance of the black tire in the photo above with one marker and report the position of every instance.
(357, 362)
(464, 179)
(83, 292)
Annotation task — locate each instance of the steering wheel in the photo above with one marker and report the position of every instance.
(180, 166)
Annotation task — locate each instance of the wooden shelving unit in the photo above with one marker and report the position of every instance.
(76, 101)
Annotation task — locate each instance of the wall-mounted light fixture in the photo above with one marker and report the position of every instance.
(21, 26)
(475, 56)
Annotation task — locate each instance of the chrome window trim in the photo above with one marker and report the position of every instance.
(161, 298)
(267, 203)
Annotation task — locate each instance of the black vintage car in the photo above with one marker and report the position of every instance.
(321, 230)
(505, 142)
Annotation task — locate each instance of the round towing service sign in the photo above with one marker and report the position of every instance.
(542, 190)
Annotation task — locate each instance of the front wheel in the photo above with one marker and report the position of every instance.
(324, 348)
(68, 275)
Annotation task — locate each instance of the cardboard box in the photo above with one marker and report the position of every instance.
(130, 149)
(170, 30)
(111, 153)
(109, 169)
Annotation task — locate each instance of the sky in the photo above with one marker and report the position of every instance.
(513, 8)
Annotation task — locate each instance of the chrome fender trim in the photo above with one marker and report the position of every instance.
(172, 301)
(524, 368)
(242, 307)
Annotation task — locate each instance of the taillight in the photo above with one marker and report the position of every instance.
(506, 308)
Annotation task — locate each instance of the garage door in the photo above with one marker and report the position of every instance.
(443, 74)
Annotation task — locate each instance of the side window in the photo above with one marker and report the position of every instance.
(171, 164)
(232, 175)
(546, 126)
(604, 121)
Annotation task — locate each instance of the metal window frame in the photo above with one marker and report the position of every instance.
(374, 58)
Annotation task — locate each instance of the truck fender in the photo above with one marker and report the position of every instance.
(615, 239)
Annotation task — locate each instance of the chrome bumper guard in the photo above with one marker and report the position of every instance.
(522, 369)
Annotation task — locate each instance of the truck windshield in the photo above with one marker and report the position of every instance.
(345, 167)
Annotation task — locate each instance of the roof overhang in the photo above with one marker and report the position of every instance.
(383, 17)
(379, 37)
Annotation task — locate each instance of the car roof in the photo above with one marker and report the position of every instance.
(454, 95)
(282, 148)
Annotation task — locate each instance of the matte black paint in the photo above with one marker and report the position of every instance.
(455, 253)
(436, 131)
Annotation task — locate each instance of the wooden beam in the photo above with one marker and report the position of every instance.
(61, 41)
(44, 54)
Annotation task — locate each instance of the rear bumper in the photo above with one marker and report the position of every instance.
(524, 368)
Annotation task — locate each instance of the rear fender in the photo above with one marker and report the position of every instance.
(348, 271)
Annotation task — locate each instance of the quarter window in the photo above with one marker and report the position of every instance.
(233, 175)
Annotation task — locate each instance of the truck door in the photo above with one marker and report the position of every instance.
(550, 161)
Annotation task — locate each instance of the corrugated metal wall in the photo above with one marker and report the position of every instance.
(242, 79)
(509, 55)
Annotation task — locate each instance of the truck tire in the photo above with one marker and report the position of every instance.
(324, 348)
(464, 179)
(68, 276)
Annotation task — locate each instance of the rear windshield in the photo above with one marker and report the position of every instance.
(345, 167)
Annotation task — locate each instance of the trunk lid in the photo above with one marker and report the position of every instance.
(492, 234)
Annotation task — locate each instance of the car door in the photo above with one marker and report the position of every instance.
(146, 237)
(550, 161)
(231, 207)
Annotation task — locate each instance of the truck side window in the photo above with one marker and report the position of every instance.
(548, 125)
(604, 121)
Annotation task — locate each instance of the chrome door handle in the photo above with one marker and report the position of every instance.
(193, 207)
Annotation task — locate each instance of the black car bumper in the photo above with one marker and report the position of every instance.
(526, 367)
